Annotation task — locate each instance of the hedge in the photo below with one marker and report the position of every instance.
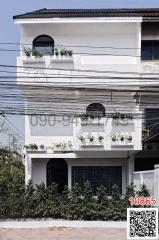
(18, 201)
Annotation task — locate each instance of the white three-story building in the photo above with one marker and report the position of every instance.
(87, 76)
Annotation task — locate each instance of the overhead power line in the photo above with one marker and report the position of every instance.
(74, 46)
(76, 70)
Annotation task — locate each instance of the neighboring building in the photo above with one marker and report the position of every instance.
(86, 95)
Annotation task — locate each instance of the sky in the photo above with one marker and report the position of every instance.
(10, 31)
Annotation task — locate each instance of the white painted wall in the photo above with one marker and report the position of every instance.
(144, 177)
(39, 168)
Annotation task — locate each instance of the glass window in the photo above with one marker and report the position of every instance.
(44, 44)
(156, 50)
(146, 50)
(107, 176)
(150, 50)
(95, 109)
(152, 120)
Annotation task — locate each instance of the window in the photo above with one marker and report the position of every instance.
(107, 176)
(95, 109)
(44, 44)
(152, 120)
(150, 50)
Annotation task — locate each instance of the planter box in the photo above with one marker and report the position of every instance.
(121, 144)
(92, 145)
(92, 122)
(33, 59)
(35, 151)
(61, 59)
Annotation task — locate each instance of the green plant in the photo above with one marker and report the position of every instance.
(130, 192)
(122, 116)
(42, 146)
(81, 138)
(33, 146)
(69, 144)
(114, 138)
(122, 138)
(91, 138)
(115, 193)
(56, 52)
(63, 52)
(143, 191)
(70, 52)
(37, 54)
(100, 138)
(129, 138)
(58, 145)
(27, 51)
(26, 147)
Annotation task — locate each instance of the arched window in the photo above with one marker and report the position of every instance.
(44, 44)
(95, 109)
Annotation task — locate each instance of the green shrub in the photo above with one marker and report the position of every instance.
(79, 203)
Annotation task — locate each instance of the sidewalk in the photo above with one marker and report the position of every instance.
(48, 223)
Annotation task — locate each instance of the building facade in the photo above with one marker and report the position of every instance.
(89, 80)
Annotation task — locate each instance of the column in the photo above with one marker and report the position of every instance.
(28, 169)
(130, 168)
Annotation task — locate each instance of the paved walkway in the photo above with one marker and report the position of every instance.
(62, 233)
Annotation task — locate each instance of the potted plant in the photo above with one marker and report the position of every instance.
(129, 138)
(100, 138)
(58, 146)
(56, 52)
(70, 145)
(33, 146)
(116, 115)
(62, 52)
(114, 138)
(64, 147)
(26, 147)
(82, 139)
(91, 138)
(27, 51)
(42, 147)
(69, 53)
(84, 118)
(122, 138)
(37, 54)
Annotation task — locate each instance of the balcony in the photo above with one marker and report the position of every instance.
(112, 133)
(32, 56)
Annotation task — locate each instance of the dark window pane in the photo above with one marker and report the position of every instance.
(156, 50)
(146, 50)
(44, 44)
(107, 176)
(152, 120)
(96, 109)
